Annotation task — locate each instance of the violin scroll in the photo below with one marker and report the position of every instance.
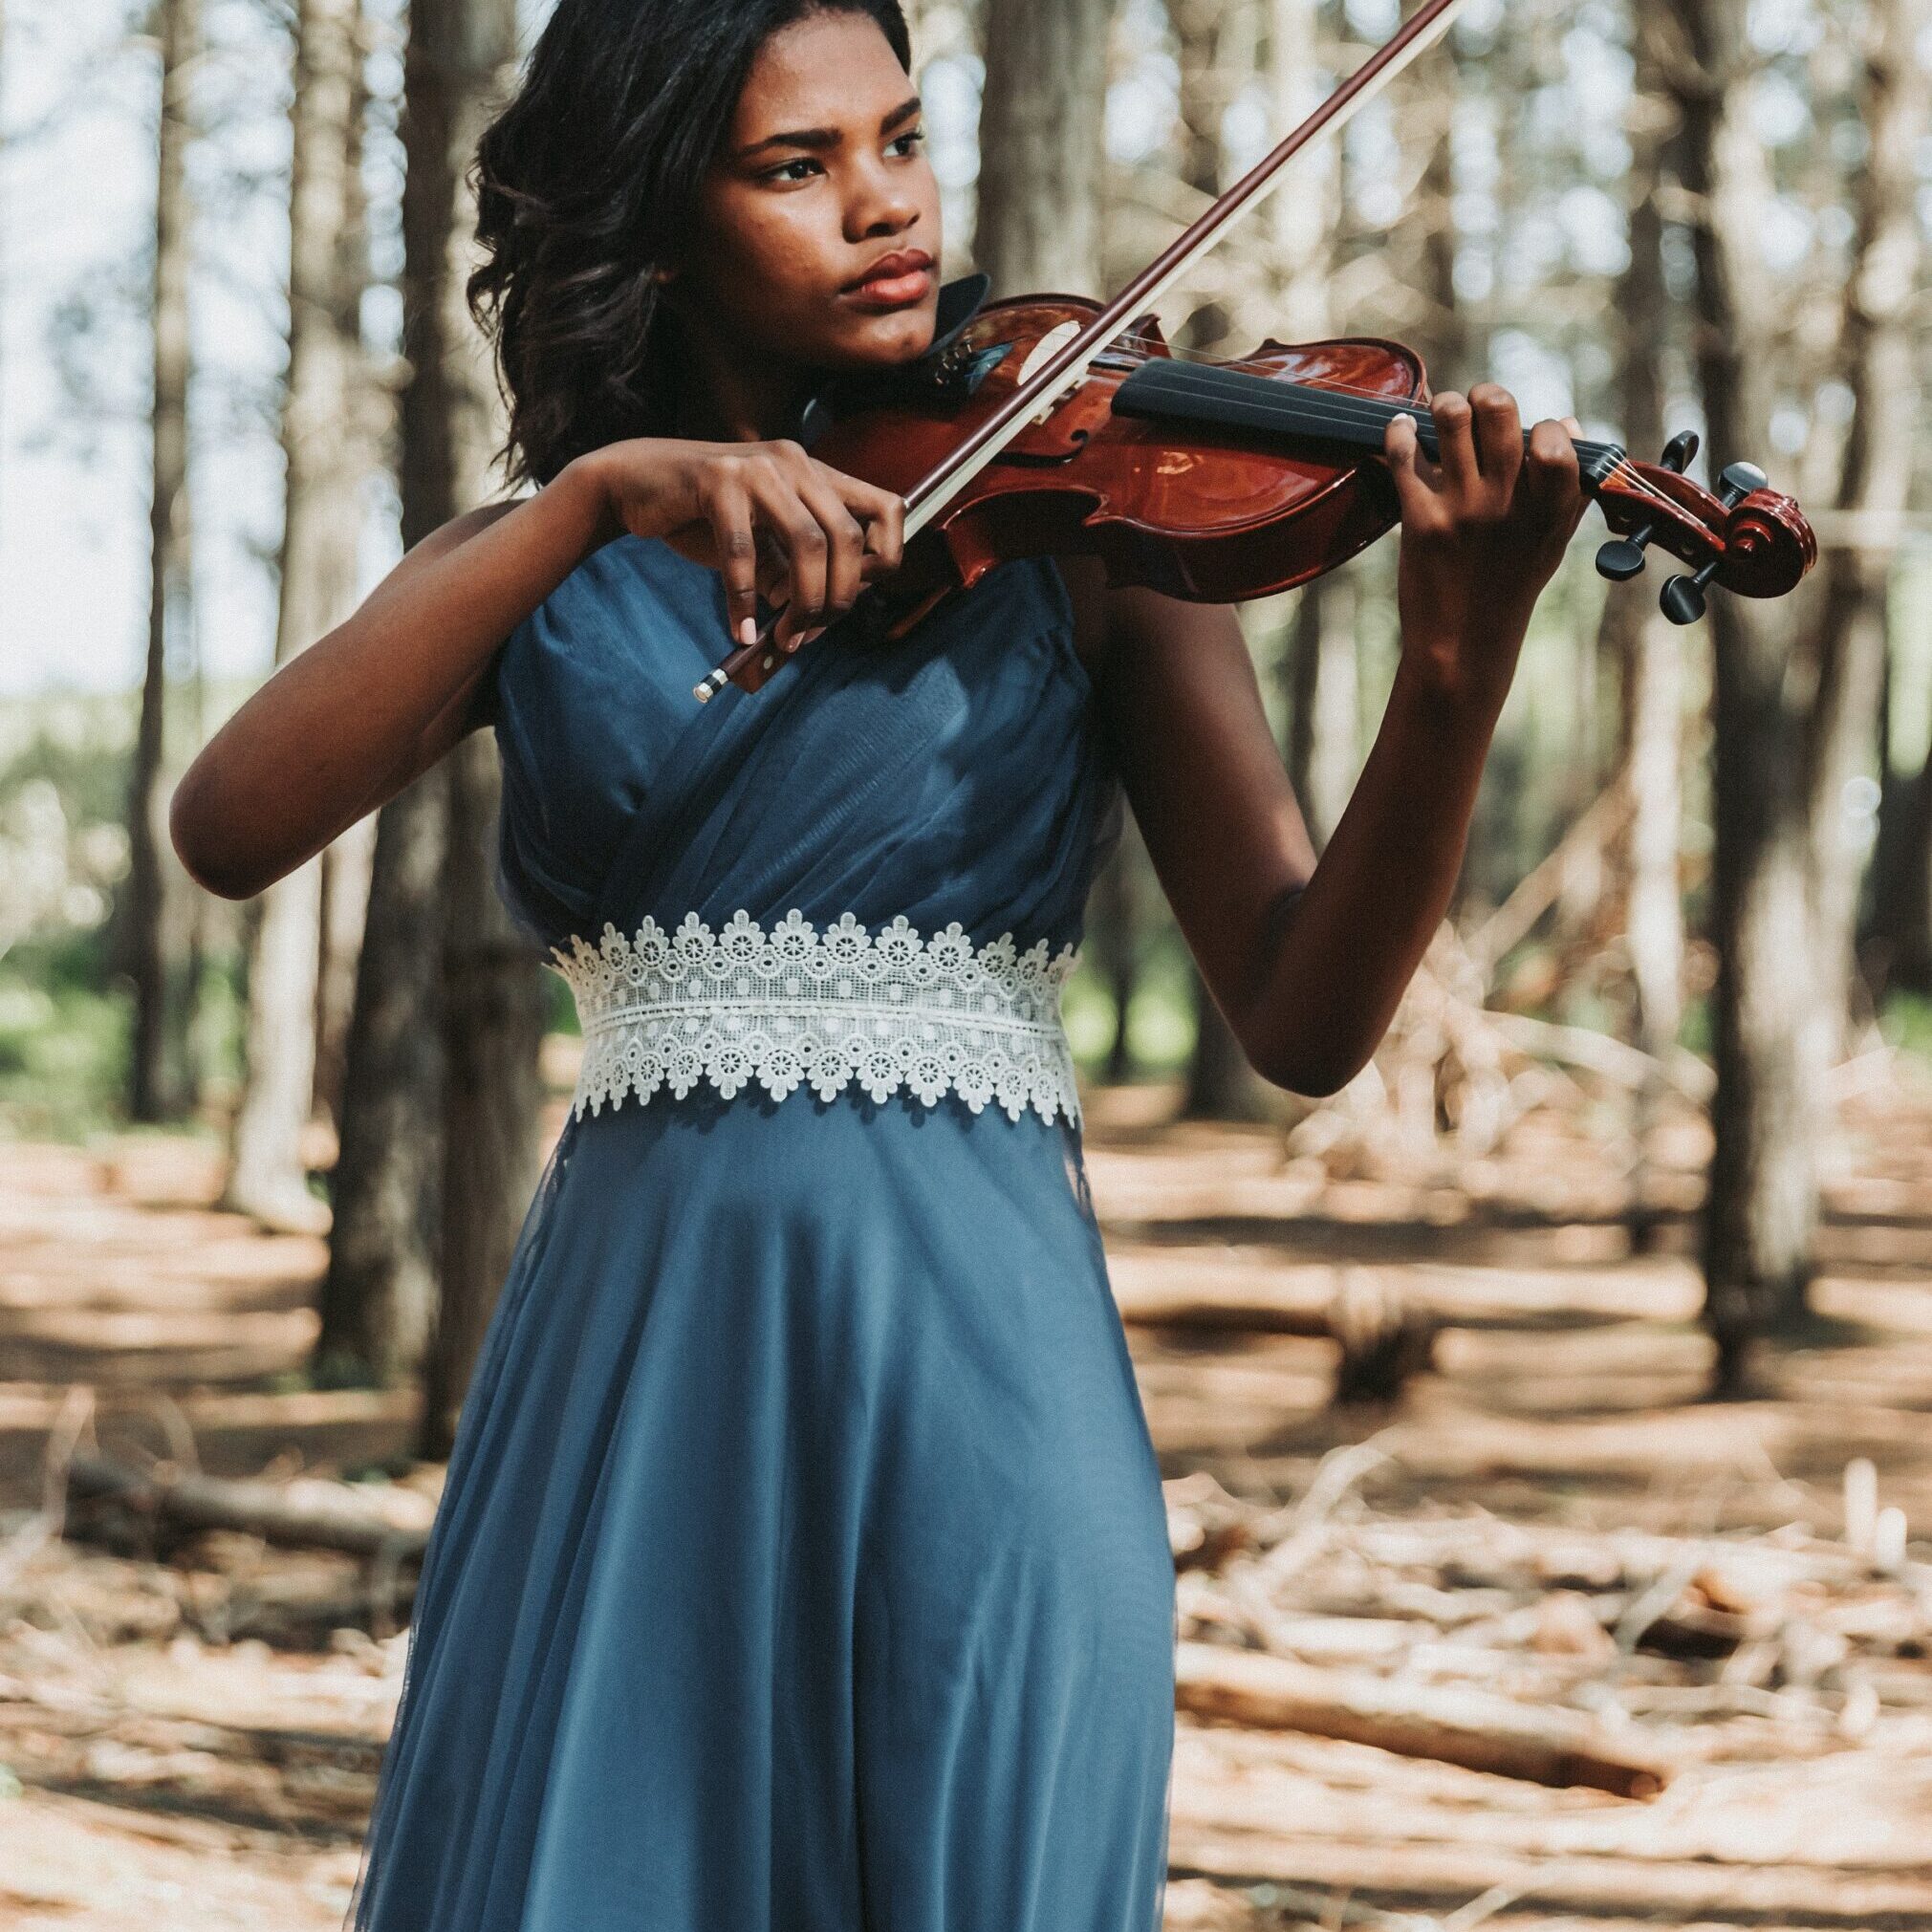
(1746, 538)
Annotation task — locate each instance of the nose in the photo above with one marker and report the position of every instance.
(882, 202)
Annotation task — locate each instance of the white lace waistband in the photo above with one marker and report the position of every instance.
(885, 1008)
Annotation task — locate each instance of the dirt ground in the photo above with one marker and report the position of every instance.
(1552, 1528)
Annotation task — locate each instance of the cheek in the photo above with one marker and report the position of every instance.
(765, 261)
(766, 238)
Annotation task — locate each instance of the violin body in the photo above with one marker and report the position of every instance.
(1221, 481)
(1214, 516)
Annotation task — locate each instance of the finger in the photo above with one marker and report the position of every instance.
(883, 512)
(775, 569)
(1498, 436)
(1403, 450)
(1573, 430)
(732, 530)
(1456, 444)
(1552, 477)
(844, 565)
(806, 554)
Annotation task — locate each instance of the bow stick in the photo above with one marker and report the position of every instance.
(1061, 371)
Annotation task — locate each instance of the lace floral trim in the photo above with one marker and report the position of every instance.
(886, 1008)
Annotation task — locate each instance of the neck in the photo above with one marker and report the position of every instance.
(736, 398)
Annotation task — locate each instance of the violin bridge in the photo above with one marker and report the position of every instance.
(1042, 353)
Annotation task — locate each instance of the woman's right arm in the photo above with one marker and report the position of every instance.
(348, 723)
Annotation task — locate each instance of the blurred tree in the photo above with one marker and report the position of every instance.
(1041, 121)
(1877, 359)
(1218, 49)
(346, 862)
(1899, 952)
(156, 934)
(1321, 670)
(1795, 682)
(1636, 637)
(441, 1117)
(326, 455)
(1040, 227)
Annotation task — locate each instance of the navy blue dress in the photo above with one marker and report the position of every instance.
(802, 1565)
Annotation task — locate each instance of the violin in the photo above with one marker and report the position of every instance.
(1053, 424)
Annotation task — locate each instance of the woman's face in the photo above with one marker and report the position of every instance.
(822, 181)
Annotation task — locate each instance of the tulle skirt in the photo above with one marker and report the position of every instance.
(802, 1564)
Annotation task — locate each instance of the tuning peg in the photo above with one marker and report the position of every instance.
(1621, 559)
(1682, 600)
(1739, 481)
(1678, 451)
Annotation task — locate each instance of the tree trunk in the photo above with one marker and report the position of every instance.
(1217, 42)
(1222, 1085)
(1878, 362)
(1647, 651)
(1321, 673)
(379, 1297)
(1901, 922)
(1115, 922)
(440, 1126)
(495, 995)
(1305, 217)
(159, 897)
(1762, 1213)
(346, 867)
(1427, 236)
(325, 461)
(1324, 742)
(346, 862)
(1789, 723)
(1041, 145)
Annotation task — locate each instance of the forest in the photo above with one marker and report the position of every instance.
(1541, 1418)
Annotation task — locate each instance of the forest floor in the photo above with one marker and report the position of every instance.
(1552, 1558)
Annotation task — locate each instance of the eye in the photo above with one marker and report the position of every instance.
(779, 173)
(912, 133)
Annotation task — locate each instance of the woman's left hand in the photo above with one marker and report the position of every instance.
(1484, 529)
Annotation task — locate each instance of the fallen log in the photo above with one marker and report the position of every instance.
(192, 1500)
(1473, 1729)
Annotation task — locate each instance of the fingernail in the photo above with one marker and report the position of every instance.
(747, 631)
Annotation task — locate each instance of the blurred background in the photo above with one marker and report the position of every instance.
(1542, 1418)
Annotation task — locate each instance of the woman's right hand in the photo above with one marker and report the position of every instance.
(769, 518)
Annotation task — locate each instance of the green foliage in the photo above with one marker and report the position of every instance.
(1696, 1032)
(1906, 1023)
(63, 1042)
(1160, 1017)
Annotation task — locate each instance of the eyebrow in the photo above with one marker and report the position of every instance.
(825, 137)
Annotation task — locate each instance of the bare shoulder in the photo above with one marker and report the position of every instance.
(445, 536)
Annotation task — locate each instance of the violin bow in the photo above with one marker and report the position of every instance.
(1061, 367)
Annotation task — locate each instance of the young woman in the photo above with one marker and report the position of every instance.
(802, 1565)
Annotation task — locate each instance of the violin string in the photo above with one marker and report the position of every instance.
(1624, 470)
(1343, 408)
(1388, 406)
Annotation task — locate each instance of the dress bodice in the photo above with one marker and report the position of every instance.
(956, 781)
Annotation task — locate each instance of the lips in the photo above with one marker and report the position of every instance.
(902, 276)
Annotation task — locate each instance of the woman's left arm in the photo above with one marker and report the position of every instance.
(1309, 960)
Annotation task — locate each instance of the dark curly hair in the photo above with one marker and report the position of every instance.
(588, 180)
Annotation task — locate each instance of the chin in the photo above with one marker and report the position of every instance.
(897, 336)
